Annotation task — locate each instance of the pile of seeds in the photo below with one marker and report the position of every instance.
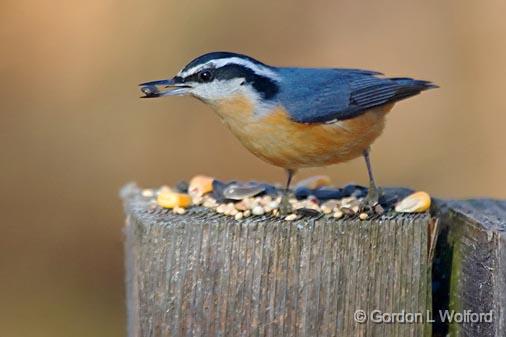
(311, 197)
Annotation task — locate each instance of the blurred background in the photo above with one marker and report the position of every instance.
(73, 130)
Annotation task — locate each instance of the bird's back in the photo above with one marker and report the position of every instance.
(322, 95)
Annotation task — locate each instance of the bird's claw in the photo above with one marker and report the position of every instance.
(370, 204)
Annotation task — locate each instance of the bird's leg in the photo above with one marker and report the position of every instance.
(372, 199)
(285, 207)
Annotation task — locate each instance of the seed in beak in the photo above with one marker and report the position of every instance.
(150, 91)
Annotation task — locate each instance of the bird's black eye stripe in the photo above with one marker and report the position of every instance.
(266, 86)
(202, 76)
(205, 76)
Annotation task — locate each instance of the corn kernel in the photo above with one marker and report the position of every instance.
(168, 199)
(315, 182)
(200, 185)
(414, 203)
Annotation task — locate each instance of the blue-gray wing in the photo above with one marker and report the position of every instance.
(326, 95)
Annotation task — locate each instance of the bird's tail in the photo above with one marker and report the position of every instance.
(410, 87)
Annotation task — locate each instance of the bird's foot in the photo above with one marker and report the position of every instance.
(370, 204)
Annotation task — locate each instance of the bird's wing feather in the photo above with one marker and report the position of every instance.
(325, 95)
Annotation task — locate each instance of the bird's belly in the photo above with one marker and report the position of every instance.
(288, 144)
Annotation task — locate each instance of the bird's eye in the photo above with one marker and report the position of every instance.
(205, 76)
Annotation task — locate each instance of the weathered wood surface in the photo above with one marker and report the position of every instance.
(204, 274)
(476, 242)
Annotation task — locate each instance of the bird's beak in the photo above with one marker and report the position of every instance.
(160, 88)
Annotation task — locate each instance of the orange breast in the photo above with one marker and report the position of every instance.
(288, 144)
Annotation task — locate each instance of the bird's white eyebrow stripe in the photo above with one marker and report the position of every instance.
(218, 63)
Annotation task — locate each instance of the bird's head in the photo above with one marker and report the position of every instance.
(218, 76)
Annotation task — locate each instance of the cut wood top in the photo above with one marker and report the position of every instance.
(491, 213)
(146, 211)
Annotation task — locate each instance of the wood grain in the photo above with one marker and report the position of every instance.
(204, 274)
(476, 244)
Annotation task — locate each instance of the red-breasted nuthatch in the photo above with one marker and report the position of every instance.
(293, 117)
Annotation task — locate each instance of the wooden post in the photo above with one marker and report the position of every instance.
(204, 274)
(475, 242)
